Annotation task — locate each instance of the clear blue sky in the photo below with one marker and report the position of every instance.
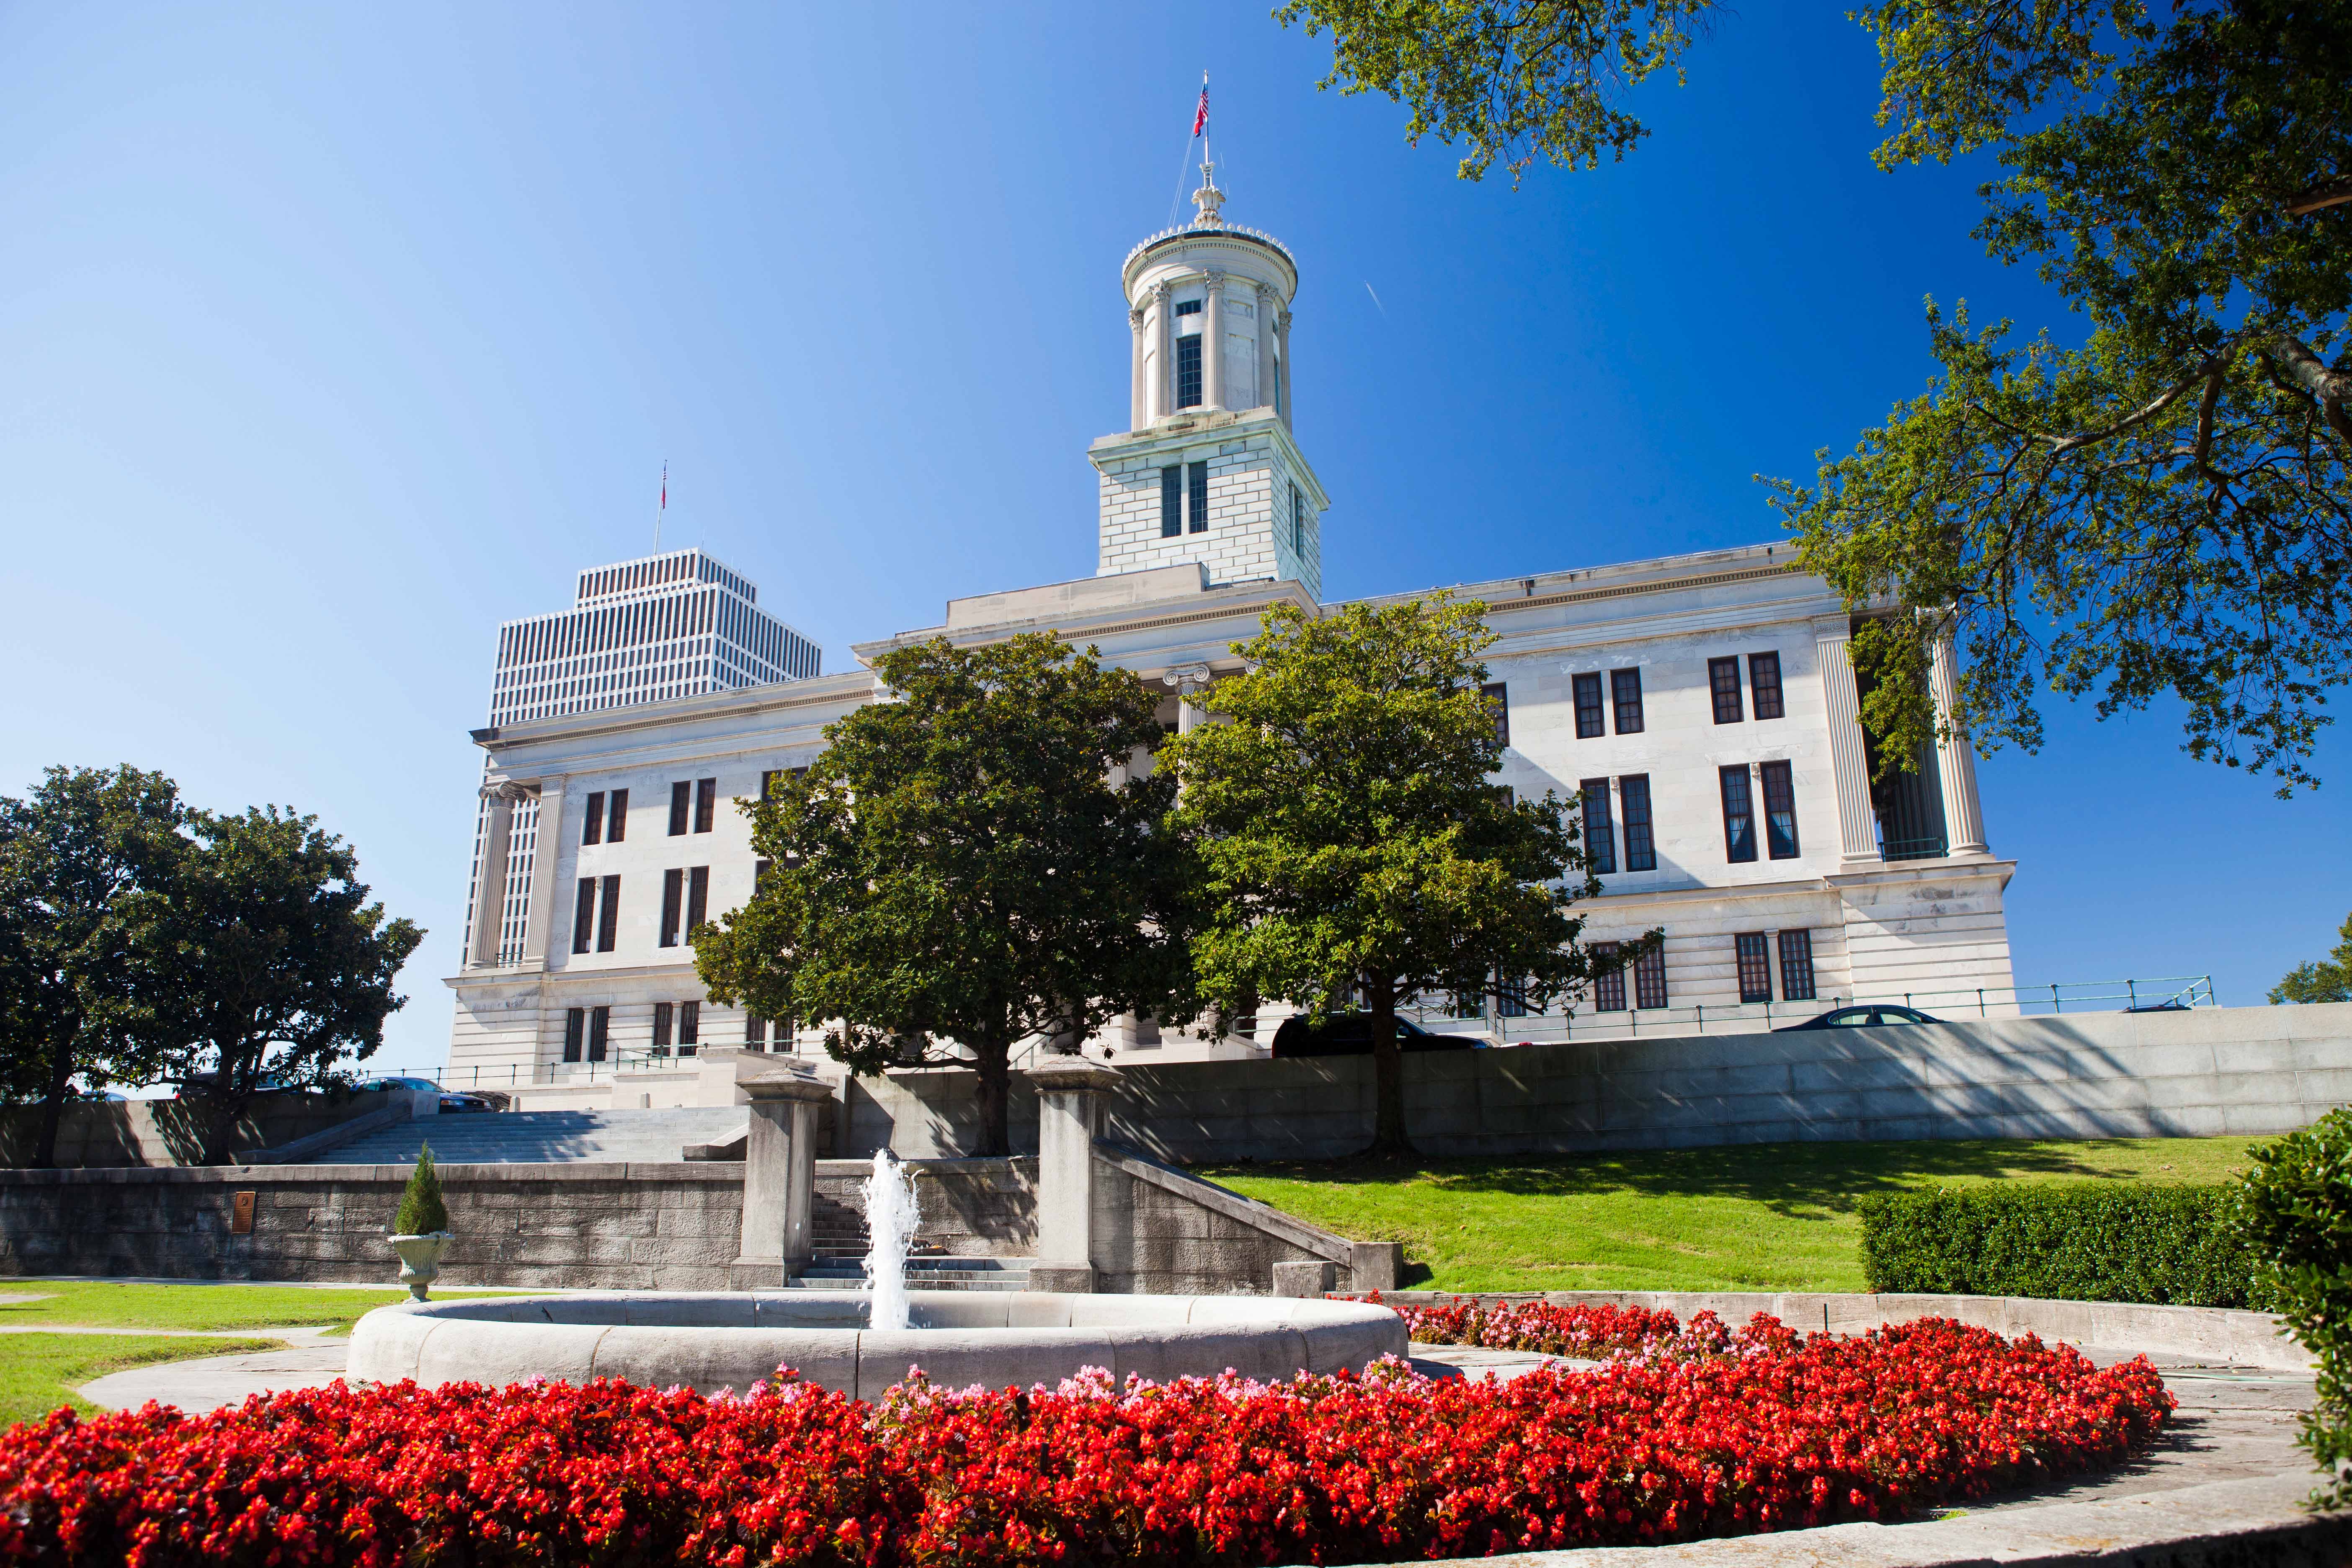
(331, 336)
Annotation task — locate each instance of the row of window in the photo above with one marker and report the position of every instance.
(692, 803)
(678, 1026)
(1751, 950)
(1739, 811)
(1763, 685)
(596, 917)
(1184, 498)
(1600, 824)
(1754, 950)
(1622, 698)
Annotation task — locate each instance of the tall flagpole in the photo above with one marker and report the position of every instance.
(664, 510)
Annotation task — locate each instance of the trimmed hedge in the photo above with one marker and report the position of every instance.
(2078, 1241)
(2298, 1216)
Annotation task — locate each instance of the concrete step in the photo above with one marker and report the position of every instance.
(543, 1137)
(924, 1274)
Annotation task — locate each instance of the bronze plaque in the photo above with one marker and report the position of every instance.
(240, 1212)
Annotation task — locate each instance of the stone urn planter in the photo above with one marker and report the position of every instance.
(420, 1259)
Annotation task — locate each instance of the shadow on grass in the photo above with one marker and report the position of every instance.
(1799, 1179)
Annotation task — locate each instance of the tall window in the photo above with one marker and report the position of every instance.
(1755, 967)
(1640, 847)
(600, 1032)
(1599, 834)
(1797, 965)
(1499, 702)
(608, 918)
(760, 869)
(705, 804)
(697, 897)
(1625, 691)
(1196, 496)
(1298, 522)
(584, 919)
(1591, 720)
(591, 821)
(1188, 369)
(1779, 811)
(616, 820)
(1608, 978)
(575, 1032)
(1510, 997)
(673, 904)
(661, 1028)
(1723, 683)
(681, 807)
(1764, 680)
(1739, 815)
(1172, 500)
(689, 1025)
(755, 1032)
(1649, 979)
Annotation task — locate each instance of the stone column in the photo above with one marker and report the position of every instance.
(540, 916)
(1164, 334)
(1213, 343)
(1138, 400)
(1070, 1095)
(1290, 376)
(779, 1177)
(1188, 679)
(1849, 763)
(1956, 765)
(490, 883)
(1264, 338)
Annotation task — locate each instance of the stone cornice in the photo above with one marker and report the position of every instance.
(1238, 601)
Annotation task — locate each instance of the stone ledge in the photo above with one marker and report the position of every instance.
(1256, 1216)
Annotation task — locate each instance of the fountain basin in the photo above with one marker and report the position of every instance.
(717, 1340)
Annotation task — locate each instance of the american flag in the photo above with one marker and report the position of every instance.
(1201, 115)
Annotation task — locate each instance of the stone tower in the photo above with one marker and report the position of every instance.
(1208, 469)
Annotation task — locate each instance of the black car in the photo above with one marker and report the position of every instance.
(1868, 1016)
(1350, 1035)
(457, 1104)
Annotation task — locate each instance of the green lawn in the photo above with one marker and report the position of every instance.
(1762, 1217)
(107, 1304)
(40, 1371)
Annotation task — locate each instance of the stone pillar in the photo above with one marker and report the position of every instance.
(1213, 345)
(1070, 1095)
(1289, 378)
(539, 915)
(1164, 334)
(490, 883)
(1265, 340)
(1956, 765)
(1189, 681)
(779, 1177)
(1849, 763)
(1139, 398)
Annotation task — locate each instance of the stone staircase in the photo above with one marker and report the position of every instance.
(543, 1137)
(839, 1242)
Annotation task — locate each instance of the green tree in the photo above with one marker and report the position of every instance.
(74, 855)
(265, 963)
(1352, 835)
(423, 1211)
(977, 861)
(2324, 980)
(2163, 507)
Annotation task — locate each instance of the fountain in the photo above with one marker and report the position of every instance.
(890, 1218)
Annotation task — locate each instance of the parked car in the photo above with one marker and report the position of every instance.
(378, 1085)
(1868, 1017)
(454, 1104)
(1350, 1035)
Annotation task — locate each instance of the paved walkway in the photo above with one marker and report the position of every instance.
(309, 1360)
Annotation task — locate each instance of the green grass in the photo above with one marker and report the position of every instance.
(106, 1304)
(1766, 1216)
(40, 1371)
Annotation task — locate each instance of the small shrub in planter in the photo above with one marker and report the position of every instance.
(2296, 1212)
(421, 1228)
(2078, 1241)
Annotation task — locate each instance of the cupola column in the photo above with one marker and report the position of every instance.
(1163, 337)
(1265, 308)
(1138, 400)
(1213, 343)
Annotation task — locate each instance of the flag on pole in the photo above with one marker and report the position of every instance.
(664, 500)
(1201, 115)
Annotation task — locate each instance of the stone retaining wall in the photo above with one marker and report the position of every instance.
(107, 1134)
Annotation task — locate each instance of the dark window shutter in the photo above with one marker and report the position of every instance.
(1764, 678)
(661, 1026)
(1755, 967)
(583, 921)
(616, 821)
(1172, 500)
(1779, 811)
(705, 804)
(689, 1023)
(1626, 689)
(1649, 979)
(600, 1032)
(1641, 846)
(1723, 683)
(592, 824)
(1739, 815)
(673, 901)
(1797, 965)
(681, 806)
(608, 919)
(1591, 720)
(1599, 834)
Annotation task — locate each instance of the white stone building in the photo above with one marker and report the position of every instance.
(1701, 709)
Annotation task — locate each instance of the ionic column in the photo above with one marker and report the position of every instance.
(490, 882)
(1849, 762)
(779, 1177)
(1956, 765)
(1290, 376)
(1187, 679)
(1213, 345)
(540, 916)
(1265, 340)
(1071, 1092)
(1139, 396)
(1163, 330)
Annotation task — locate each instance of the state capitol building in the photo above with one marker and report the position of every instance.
(1700, 710)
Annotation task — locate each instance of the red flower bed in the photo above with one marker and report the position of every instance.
(1777, 1431)
(1590, 1331)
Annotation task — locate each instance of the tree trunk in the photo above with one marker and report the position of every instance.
(53, 1103)
(1387, 1070)
(993, 1064)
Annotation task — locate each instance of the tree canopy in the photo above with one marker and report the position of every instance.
(977, 861)
(2158, 506)
(2328, 979)
(1352, 838)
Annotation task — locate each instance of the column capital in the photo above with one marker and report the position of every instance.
(1072, 1075)
(786, 1085)
(1161, 289)
(1135, 320)
(1187, 677)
